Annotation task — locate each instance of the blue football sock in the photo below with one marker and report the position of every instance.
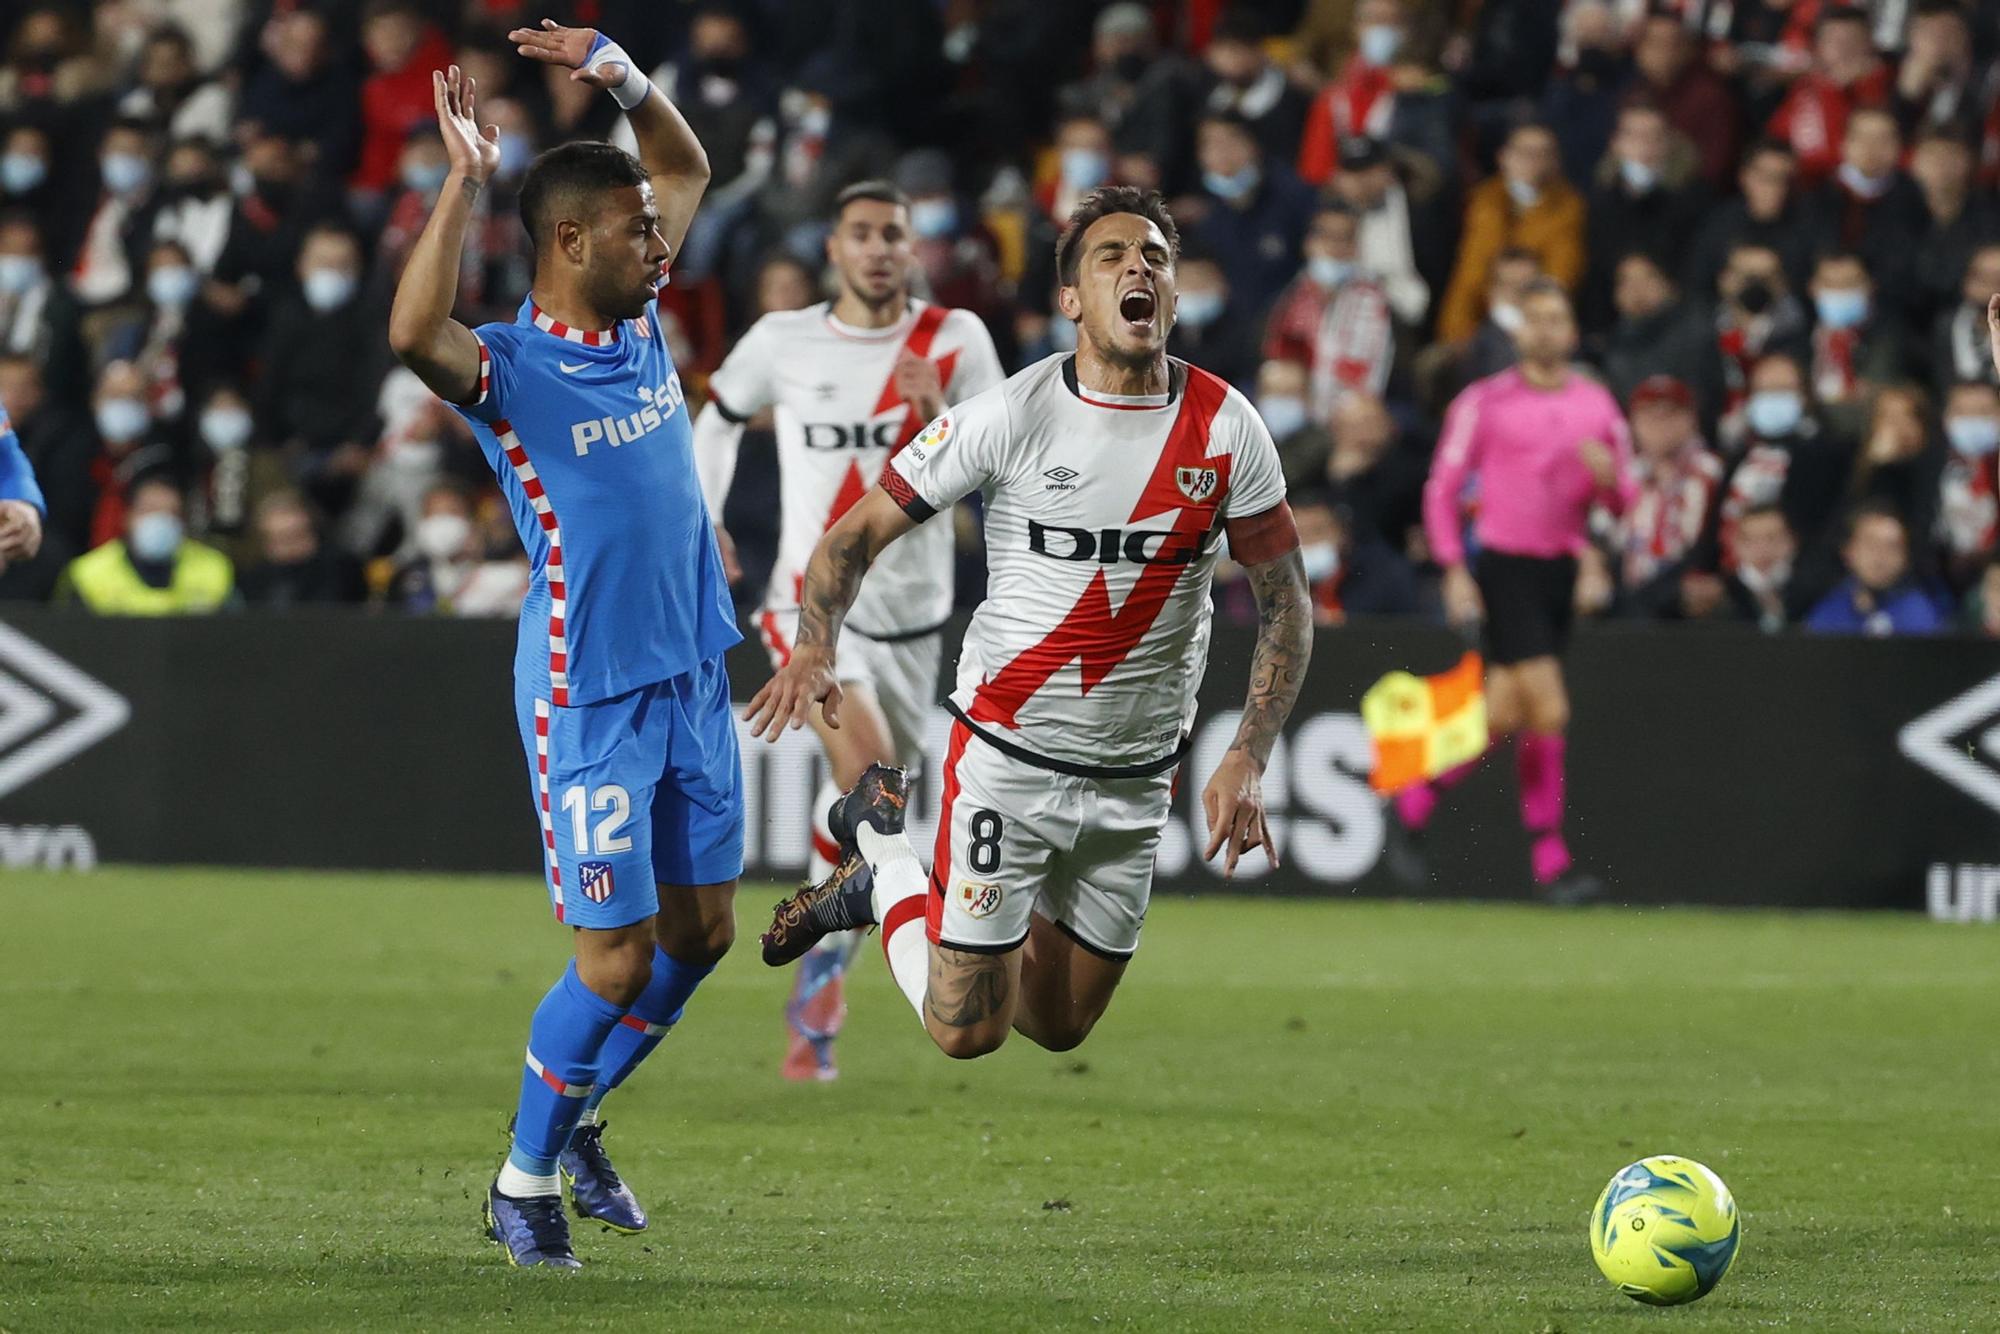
(565, 1053)
(656, 1011)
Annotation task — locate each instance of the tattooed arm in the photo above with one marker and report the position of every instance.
(833, 581)
(1234, 798)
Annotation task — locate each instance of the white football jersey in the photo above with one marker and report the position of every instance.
(1104, 519)
(839, 419)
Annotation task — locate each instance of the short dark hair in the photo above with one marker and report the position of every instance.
(1875, 507)
(876, 190)
(562, 180)
(1765, 509)
(1102, 202)
(1839, 14)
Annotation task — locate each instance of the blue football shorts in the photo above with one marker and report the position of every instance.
(640, 790)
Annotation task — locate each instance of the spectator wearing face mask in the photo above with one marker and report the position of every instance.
(1446, 368)
(1210, 330)
(1400, 239)
(1283, 404)
(233, 469)
(32, 186)
(1756, 317)
(129, 445)
(1526, 205)
(152, 568)
(1580, 104)
(1334, 317)
(1765, 213)
(410, 458)
(1870, 207)
(1240, 78)
(1669, 73)
(1381, 93)
(1349, 573)
(1846, 73)
(1789, 460)
(324, 358)
(1969, 485)
(403, 48)
(1679, 480)
(195, 203)
(156, 337)
(38, 317)
(953, 246)
(1255, 211)
(1646, 200)
(1138, 89)
(108, 265)
(1880, 596)
(448, 573)
(1083, 161)
(295, 566)
(1854, 344)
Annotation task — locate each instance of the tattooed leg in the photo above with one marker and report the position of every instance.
(969, 1005)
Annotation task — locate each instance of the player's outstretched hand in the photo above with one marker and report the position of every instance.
(1993, 328)
(474, 153)
(20, 531)
(787, 699)
(1234, 804)
(553, 44)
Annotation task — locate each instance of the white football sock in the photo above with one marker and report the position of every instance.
(518, 1185)
(818, 866)
(900, 887)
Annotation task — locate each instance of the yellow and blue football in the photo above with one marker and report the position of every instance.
(1665, 1230)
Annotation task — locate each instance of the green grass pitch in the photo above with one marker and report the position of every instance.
(271, 1101)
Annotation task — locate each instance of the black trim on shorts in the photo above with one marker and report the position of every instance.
(1150, 769)
(1109, 956)
(901, 636)
(729, 414)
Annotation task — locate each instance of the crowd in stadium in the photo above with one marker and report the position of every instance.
(1778, 220)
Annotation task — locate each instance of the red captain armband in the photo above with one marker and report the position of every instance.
(1259, 537)
(906, 496)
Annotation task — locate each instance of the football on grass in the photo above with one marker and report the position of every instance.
(1665, 1230)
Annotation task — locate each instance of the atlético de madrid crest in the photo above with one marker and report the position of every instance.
(1197, 484)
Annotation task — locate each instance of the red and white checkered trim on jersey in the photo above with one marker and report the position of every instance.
(538, 500)
(485, 371)
(588, 337)
(650, 1030)
(562, 1089)
(542, 795)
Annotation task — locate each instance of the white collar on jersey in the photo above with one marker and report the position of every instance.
(1176, 377)
(846, 330)
(588, 337)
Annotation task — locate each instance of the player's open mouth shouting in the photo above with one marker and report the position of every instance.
(1139, 307)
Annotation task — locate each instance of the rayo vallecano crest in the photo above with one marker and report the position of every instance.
(1197, 484)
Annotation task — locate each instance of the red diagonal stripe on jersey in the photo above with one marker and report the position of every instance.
(1092, 631)
(918, 344)
(852, 488)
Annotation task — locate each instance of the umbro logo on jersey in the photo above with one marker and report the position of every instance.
(568, 369)
(1062, 479)
(1197, 484)
(826, 391)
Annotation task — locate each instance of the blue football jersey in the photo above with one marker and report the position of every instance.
(589, 437)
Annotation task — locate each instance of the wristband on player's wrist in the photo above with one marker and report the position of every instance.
(635, 88)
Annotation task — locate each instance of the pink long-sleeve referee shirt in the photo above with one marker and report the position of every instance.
(1535, 490)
